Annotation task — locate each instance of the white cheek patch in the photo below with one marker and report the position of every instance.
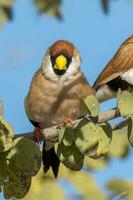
(69, 74)
(128, 76)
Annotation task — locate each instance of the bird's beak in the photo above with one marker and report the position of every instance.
(60, 63)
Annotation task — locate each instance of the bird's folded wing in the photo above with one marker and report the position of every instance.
(120, 63)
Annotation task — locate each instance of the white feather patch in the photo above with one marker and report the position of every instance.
(70, 72)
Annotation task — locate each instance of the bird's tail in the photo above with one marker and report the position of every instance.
(50, 159)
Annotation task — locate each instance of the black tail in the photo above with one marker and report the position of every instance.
(50, 159)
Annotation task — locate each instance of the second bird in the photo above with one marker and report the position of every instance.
(117, 74)
(55, 94)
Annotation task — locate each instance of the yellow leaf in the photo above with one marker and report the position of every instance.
(125, 102)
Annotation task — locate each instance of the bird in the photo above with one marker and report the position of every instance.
(117, 74)
(55, 94)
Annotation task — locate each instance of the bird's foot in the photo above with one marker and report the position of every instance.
(37, 135)
(69, 121)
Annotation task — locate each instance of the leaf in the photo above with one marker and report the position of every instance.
(91, 105)
(45, 187)
(96, 164)
(119, 150)
(5, 11)
(69, 136)
(3, 169)
(125, 102)
(49, 7)
(17, 185)
(6, 3)
(93, 139)
(105, 136)
(87, 186)
(25, 156)
(130, 129)
(86, 136)
(70, 156)
(105, 5)
(22, 186)
(6, 135)
(122, 188)
(1, 183)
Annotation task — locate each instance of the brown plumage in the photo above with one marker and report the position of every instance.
(52, 98)
(62, 47)
(115, 70)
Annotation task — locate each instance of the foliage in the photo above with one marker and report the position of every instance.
(121, 188)
(5, 11)
(48, 7)
(79, 147)
(20, 159)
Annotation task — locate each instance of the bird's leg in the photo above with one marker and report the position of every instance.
(37, 135)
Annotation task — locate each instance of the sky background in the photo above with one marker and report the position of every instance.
(24, 41)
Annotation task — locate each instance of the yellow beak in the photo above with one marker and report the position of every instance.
(60, 63)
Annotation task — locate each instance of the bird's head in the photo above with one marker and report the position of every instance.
(62, 60)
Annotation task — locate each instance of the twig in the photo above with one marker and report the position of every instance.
(119, 196)
(108, 115)
(52, 133)
(120, 125)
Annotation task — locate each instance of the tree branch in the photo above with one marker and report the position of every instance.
(51, 133)
(120, 125)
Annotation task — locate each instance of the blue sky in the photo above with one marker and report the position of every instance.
(24, 41)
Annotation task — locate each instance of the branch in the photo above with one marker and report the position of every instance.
(108, 115)
(51, 133)
(120, 125)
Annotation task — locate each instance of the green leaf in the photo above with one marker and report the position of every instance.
(6, 3)
(69, 136)
(25, 156)
(5, 14)
(119, 150)
(6, 135)
(130, 129)
(105, 136)
(93, 139)
(125, 102)
(86, 136)
(17, 185)
(87, 186)
(121, 188)
(49, 7)
(91, 105)
(45, 187)
(96, 164)
(70, 156)
(3, 169)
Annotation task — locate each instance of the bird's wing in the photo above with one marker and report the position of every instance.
(120, 63)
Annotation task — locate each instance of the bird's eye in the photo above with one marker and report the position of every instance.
(52, 60)
(69, 60)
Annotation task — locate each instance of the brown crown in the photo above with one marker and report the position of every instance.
(62, 47)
